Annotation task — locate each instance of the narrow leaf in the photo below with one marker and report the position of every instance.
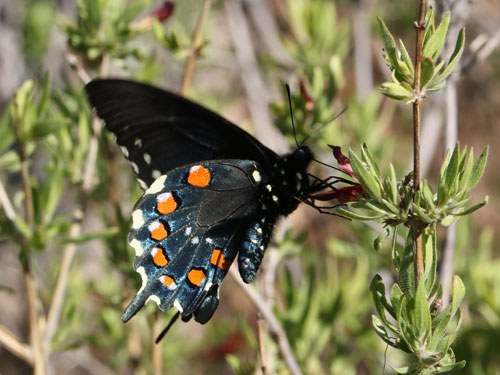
(370, 185)
(434, 45)
(388, 41)
(478, 169)
(427, 71)
(406, 58)
(455, 57)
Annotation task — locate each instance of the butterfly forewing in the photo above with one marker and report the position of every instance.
(158, 130)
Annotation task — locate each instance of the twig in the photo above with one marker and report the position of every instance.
(418, 258)
(16, 347)
(363, 67)
(157, 353)
(262, 343)
(78, 214)
(38, 350)
(255, 89)
(273, 324)
(6, 204)
(195, 48)
(460, 9)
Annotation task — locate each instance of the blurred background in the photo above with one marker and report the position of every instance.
(316, 273)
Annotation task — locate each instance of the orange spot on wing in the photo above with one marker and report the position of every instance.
(159, 258)
(218, 260)
(166, 205)
(199, 176)
(167, 281)
(159, 233)
(196, 276)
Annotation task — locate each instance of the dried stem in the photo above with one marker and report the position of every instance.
(273, 323)
(157, 354)
(6, 203)
(262, 343)
(36, 338)
(16, 347)
(195, 48)
(418, 259)
(78, 214)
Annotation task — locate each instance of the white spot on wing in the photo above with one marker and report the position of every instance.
(194, 168)
(143, 185)
(208, 286)
(153, 298)
(187, 232)
(178, 306)
(163, 197)
(269, 187)
(275, 198)
(259, 229)
(157, 186)
(141, 271)
(209, 240)
(147, 158)
(256, 176)
(135, 168)
(195, 240)
(155, 174)
(172, 286)
(138, 142)
(153, 225)
(137, 219)
(124, 151)
(137, 247)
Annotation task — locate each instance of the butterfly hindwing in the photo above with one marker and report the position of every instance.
(188, 228)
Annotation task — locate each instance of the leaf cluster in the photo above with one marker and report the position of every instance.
(434, 69)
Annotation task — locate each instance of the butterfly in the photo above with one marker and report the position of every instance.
(212, 194)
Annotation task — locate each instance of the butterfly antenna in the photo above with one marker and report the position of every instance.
(291, 113)
(166, 329)
(325, 124)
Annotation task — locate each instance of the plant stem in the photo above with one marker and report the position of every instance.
(418, 259)
(39, 352)
(78, 213)
(272, 323)
(157, 355)
(10, 342)
(195, 48)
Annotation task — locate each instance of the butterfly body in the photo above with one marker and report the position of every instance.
(213, 194)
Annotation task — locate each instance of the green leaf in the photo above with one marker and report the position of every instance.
(434, 45)
(437, 87)
(396, 256)
(52, 189)
(9, 162)
(406, 58)
(378, 241)
(355, 216)
(471, 209)
(458, 294)
(427, 71)
(133, 10)
(429, 21)
(368, 159)
(388, 41)
(429, 248)
(422, 315)
(369, 183)
(377, 292)
(451, 368)
(478, 169)
(381, 331)
(42, 129)
(396, 91)
(394, 185)
(396, 296)
(421, 214)
(427, 194)
(105, 233)
(452, 172)
(406, 271)
(455, 57)
(466, 173)
(44, 100)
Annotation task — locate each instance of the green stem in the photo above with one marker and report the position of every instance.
(417, 239)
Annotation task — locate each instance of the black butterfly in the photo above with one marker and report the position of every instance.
(212, 192)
